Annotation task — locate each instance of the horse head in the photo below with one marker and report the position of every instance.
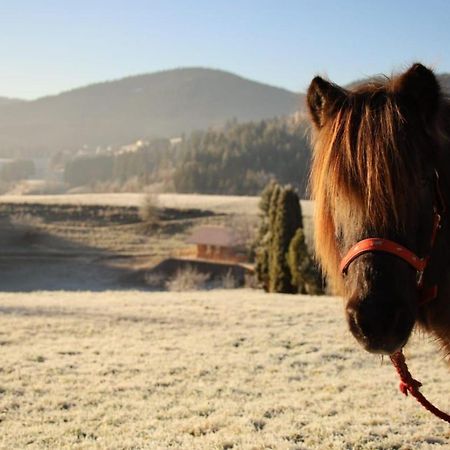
(374, 176)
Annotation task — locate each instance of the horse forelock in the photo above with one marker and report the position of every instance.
(365, 161)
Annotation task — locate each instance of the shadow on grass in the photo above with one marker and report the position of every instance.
(31, 258)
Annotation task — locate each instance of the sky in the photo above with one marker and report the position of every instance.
(49, 46)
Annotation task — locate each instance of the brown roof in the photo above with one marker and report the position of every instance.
(215, 235)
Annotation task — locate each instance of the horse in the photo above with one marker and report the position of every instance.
(380, 179)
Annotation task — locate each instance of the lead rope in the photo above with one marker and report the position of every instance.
(409, 384)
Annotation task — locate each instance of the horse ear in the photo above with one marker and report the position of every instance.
(420, 84)
(321, 97)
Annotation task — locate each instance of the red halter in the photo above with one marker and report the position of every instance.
(386, 246)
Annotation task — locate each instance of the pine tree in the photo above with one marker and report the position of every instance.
(304, 274)
(262, 266)
(262, 241)
(287, 219)
(283, 263)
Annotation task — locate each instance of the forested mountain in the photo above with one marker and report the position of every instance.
(244, 157)
(238, 159)
(236, 156)
(162, 104)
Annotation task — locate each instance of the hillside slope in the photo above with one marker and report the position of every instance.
(9, 101)
(159, 104)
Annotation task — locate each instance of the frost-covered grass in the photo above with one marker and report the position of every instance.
(227, 204)
(219, 203)
(234, 369)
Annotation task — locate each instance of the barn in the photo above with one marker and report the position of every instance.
(217, 243)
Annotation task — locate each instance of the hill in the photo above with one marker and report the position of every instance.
(9, 101)
(145, 106)
(161, 104)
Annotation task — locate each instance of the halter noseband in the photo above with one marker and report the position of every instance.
(372, 245)
(381, 245)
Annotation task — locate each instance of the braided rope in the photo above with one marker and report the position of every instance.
(409, 384)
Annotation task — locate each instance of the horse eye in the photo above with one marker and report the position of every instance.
(426, 180)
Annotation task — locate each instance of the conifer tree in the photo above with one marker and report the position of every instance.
(283, 263)
(286, 220)
(263, 237)
(304, 274)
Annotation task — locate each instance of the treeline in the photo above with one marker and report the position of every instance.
(18, 169)
(240, 159)
(146, 163)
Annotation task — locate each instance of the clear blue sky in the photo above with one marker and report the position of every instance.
(48, 46)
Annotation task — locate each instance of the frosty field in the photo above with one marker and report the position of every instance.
(226, 204)
(233, 369)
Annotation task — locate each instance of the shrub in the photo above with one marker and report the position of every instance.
(187, 279)
(228, 281)
(155, 280)
(149, 211)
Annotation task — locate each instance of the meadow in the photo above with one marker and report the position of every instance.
(225, 204)
(54, 242)
(217, 203)
(225, 369)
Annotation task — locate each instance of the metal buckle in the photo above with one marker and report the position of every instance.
(419, 278)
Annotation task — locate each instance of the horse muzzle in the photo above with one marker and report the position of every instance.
(379, 325)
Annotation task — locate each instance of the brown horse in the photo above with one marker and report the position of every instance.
(381, 166)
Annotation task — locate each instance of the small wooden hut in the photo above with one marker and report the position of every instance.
(217, 243)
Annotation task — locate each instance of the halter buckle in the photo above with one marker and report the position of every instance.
(419, 278)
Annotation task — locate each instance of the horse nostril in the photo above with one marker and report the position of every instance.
(380, 327)
(353, 322)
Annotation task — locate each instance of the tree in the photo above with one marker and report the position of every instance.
(18, 169)
(88, 169)
(283, 263)
(287, 219)
(304, 273)
(262, 242)
(242, 158)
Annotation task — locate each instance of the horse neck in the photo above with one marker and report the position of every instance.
(436, 317)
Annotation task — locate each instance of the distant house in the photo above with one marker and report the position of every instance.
(217, 243)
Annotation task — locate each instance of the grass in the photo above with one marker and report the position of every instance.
(111, 222)
(222, 204)
(231, 369)
(91, 229)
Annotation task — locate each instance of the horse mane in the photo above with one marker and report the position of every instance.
(366, 159)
